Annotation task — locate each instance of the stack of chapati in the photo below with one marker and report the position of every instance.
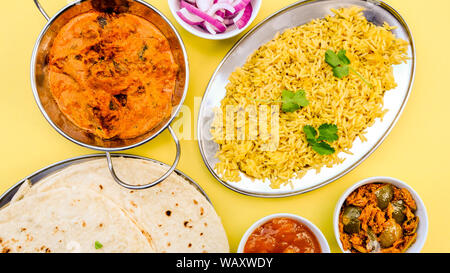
(82, 209)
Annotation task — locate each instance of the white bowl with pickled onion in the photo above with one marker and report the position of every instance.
(215, 19)
(279, 233)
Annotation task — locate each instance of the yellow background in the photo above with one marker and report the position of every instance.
(417, 151)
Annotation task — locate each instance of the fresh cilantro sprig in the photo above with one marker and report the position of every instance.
(341, 65)
(98, 245)
(327, 133)
(290, 101)
(293, 101)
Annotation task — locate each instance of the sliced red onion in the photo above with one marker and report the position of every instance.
(229, 14)
(183, 4)
(204, 5)
(226, 12)
(220, 13)
(238, 16)
(209, 28)
(228, 21)
(240, 4)
(219, 26)
(188, 17)
(244, 18)
(215, 16)
(219, 18)
(219, 31)
(221, 6)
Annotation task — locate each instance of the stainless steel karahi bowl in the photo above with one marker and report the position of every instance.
(49, 107)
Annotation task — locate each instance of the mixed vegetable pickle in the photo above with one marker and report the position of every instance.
(378, 217)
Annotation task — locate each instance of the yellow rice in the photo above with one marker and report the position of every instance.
(295, 60)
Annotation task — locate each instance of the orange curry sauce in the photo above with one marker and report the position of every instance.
(112, 74)
(282, 235)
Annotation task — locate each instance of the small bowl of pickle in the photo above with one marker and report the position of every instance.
(380, 215)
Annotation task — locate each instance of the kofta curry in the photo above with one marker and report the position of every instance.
(112, 75)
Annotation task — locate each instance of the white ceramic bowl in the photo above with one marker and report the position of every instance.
(231, 31)
(319, 235)
(421, 211)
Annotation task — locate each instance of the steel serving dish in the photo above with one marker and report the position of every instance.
(50, 109)
(294, 15)
(34, 178)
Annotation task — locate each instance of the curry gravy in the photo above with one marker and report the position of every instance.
(112, 74)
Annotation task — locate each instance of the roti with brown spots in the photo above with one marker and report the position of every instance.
(68, 220)
(175, 214)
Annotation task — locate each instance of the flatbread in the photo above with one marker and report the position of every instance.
(23, 189)
(69, 221)
(175, 214)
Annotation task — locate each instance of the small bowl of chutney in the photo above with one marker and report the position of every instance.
(283, 233)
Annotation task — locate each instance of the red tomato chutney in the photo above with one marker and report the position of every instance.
(282, 235)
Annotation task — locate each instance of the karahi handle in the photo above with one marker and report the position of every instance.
(153, 183)
(41, 9)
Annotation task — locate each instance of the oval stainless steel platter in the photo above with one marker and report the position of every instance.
(39, 175)
(294, 15)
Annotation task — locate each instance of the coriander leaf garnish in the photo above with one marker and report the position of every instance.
(340, 64)
(310, 133)
(293, 101)
(332, 58)
(290, 101)
(323, 148)
(341, 71)
(98, 245)
(342, 57)
(327, 132)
